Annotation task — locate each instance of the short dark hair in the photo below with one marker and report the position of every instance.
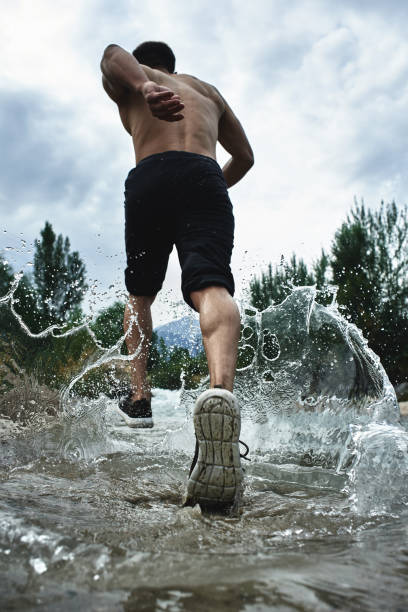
(155, 55)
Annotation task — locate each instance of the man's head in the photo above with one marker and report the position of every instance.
(155, 55)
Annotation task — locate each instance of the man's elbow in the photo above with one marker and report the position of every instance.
(248, 160)
(108, 54)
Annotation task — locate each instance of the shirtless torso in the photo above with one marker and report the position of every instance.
(197, 133)
(206, 117)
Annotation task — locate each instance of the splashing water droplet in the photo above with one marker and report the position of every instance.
(270, 345)
(247, 333)
(268, 377)
(38, 565)
(246, 356)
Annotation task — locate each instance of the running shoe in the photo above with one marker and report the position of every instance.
(216, 474)
(135, 413)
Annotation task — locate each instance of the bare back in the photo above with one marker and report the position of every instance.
(197, 133)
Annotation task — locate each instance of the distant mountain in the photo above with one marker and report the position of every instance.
(183, 332)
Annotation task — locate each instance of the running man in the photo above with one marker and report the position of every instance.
(178, 195)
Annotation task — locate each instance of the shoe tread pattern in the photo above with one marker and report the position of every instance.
(217, 475)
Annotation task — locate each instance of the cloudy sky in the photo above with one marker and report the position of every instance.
(321, 88)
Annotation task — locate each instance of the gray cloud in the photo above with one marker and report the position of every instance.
(42, 164)
(392, 10)
(383, 151)
(319, 88)
(52, 171)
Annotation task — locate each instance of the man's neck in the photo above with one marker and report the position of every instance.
(162, 69)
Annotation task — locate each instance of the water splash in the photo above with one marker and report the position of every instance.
(378, 482)
(311, 392)
(85, 434)
(101, 356)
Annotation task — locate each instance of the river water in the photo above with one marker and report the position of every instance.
(91, 514)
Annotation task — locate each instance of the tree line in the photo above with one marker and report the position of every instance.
(52, 296)
(368, 263)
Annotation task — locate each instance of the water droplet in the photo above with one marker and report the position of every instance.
(246, 355)
(38, 565)
(270, 345)
(268, 377)
(247, 333)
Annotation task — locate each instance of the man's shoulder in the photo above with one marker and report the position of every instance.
(203, 87)
(196, 80)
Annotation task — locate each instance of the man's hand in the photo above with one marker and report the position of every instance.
(163, 103)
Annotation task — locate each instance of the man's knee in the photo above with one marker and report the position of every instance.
(213, 292)
(141, 301)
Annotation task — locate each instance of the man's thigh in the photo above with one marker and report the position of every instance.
(205, 236)
(148, 236)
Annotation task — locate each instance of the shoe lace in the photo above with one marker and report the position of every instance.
(244, 455)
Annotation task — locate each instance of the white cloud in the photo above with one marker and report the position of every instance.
(319, 87)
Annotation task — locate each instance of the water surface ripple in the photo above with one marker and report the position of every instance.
(104, 529)
(91, 515)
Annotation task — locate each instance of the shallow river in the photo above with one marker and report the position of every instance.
(91, 514)
(91, 519)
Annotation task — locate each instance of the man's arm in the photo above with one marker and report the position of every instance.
(122, 74)
(232, 137)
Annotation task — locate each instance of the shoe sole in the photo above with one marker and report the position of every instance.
(216, 479)
(141, 422)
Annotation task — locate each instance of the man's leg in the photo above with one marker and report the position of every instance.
(220, 327)
(216, 475)
(138, 326)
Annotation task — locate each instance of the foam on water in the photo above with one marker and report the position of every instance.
(378, 480)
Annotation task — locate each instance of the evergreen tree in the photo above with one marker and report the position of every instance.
(6, 276)
(59, 276)
(370, 266)
(6, 319)
(277, 282)
(108, 325)
(24, 301)
(321, 271)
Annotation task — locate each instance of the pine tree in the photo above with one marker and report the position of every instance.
(108, 325)
(24, 303)
(321, 271)
(277, 282)
(59, 276)
(6, 276)
(370, 266)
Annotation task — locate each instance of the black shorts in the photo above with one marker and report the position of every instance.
(178, 198)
